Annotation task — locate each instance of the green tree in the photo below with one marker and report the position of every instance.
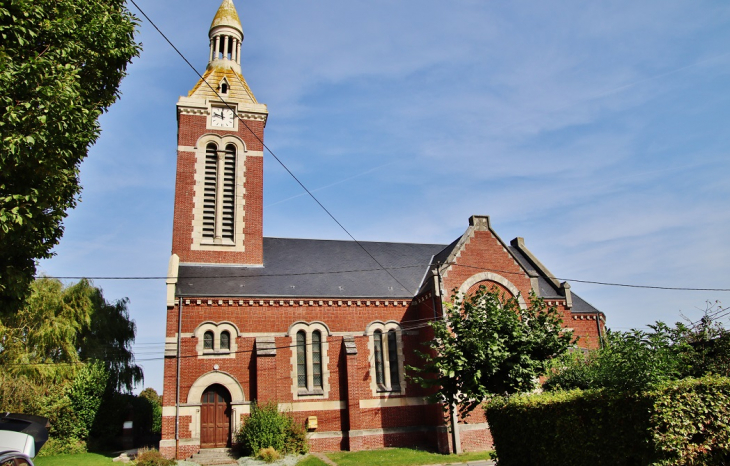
(40, 341)
(61, 64)
(108, 338)
(155, 400)
(639, 359)
(488, 345)
(60, 328)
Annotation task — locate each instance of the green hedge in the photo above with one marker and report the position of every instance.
(680, 423)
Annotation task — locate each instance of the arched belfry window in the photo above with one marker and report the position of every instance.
(219, 193)
(228, 202)
(209, 191)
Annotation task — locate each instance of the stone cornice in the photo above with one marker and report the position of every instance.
(205, 112)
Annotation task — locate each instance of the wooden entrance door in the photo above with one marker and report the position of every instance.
(215, 417)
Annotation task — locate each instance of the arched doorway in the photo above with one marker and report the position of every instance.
(215, 417)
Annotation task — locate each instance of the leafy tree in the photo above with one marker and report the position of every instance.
(60, 328)
(632, 360)
(155, 400)
(109, 338)
(488, 345)
(61, 64)
(41, 341)
(637, 360)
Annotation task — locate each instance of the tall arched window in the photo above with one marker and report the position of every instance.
(317, 359)
(393, 361)
(309, 369)
(379, 363)
(301, 359)
(386, 370)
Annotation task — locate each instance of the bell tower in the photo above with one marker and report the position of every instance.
(219, 184)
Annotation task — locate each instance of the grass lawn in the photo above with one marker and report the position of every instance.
(402, 457)
(311, 461)
(81, 459)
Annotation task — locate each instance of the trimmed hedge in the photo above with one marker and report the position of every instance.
(683, 422)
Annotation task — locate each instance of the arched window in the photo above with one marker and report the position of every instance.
(393, 361)
(301, 359)
(224, 87)
(379, 363)
(225, 340)
(309, 360)
(387, 357)
(208, 340)
(317, 359)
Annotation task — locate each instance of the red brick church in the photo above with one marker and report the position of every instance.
(322, 327)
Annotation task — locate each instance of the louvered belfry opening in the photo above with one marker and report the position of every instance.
(228, 203)
(209, 190)
(219, 193)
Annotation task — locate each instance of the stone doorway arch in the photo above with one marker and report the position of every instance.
(194, 405)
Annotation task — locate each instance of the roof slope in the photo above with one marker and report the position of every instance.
(239, 90)
(316, 268)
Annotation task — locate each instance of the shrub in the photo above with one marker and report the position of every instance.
(677, 423)
(296, 440)
(86, 393)
(266, 427)
(268, 454)
(152, 457)
(65, 446)
(690, 422)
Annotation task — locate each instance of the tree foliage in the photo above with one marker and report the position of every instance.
(61, 64)
(155, 402)
(637, 360)
(60, 328)
(488, 345)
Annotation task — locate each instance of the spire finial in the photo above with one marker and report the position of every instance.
(226, 16)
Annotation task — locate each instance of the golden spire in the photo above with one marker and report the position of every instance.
(227, 16)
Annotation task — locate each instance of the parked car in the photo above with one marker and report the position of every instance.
(21, 437)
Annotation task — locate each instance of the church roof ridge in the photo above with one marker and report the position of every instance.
(356, 241)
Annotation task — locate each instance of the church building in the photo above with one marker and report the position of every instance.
(324, 328)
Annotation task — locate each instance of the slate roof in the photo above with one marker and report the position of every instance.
(581, 306)
(316, 268)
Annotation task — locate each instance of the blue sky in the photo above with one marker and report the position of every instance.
(598, 131)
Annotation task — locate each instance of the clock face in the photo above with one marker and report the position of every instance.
(222, 117)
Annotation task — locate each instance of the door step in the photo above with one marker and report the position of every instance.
(214, 457)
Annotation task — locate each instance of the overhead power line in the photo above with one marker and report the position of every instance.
(484, 269)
